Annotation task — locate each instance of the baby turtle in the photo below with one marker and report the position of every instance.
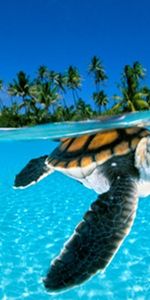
(116, 165)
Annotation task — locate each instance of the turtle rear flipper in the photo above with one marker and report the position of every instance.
(33, 172)
(97, 238)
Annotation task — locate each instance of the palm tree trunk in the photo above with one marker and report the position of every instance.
(100, 109)
(1, 103)
(74, 97)
(64, 100)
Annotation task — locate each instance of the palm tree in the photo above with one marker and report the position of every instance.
(73, 82)
(100, 99)
(46, 95)
(131, 78)
(1, 87)
(45, 89)
(42, 74)
(52, 76)
(83, 110)
(21, 88)
(96, 68)
(9, 116)
(133, 96)
(59, 80)
(1, 84)
(146, 92)
(138, 71)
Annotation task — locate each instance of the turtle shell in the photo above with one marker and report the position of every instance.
(88, 151)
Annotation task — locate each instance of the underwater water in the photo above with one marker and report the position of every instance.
(35, 222)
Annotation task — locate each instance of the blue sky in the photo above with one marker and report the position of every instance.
(59, 33)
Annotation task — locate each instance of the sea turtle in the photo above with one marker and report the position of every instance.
(115, 164)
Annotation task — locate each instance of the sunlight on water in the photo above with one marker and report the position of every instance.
(35, 222)
(56, 130)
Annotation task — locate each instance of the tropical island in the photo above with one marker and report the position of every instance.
(43, 99)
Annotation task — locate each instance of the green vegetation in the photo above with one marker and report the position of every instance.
(44, 98)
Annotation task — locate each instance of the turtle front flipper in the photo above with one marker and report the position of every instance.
(33, 172)
(97, 238)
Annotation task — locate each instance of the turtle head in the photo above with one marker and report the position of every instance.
(142, 163)
(142, 158)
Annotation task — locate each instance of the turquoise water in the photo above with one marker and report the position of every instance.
(35, 222)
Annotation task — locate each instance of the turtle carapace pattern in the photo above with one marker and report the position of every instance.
(116, 165)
